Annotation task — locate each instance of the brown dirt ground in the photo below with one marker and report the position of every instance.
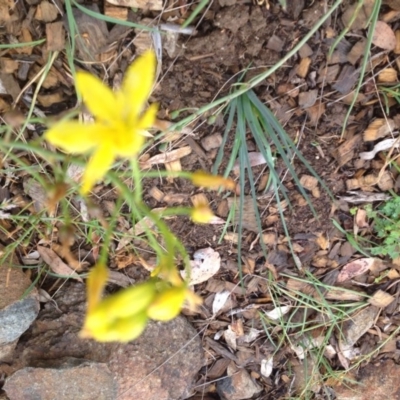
(231, 36)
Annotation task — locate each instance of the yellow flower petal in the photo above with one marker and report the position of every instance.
(146, 121)
(167, 271)
(122, 330)
(97, 167)
(202, 214)
(121, 305)
(98, 98)
(75, 137)
(138, 83)
(129, 144)
(201, 178)
(96, 282)
(167, 305)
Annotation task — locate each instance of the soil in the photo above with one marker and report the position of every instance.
(232, 36)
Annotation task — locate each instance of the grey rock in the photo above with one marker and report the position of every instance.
(88, 381)
(16, 311)
(161, 364)
(238, 386)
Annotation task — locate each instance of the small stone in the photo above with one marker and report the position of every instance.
(275, 43)
(308, 99)
(16, 312)
(212, 141)
(305, 51)
(87, 381)
(308, 182)
(239, 386)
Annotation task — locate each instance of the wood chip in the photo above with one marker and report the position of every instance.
(269, 238)
(25, 37)
(219, 368)
(115, 12)
(156, 193)
(308, 182)
(343, 295)
(386, 182)
(379, 128)
(275, 43)
(315, 112)
(55, 36)
(47, 100)
(8, 65)
(360, 20)
(397, 48)
(388, 75)
(154, 5)
(328, 73)
(357, 325)
(46, 12)
(308, 99)
(199, 199)
(357, 51)
(346, 80)
(303, 67)
(345, 151)
(92, 34)
(10, 85)
(381, 299)
(249, 220)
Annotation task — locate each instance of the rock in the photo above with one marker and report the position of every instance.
(238, 386)
(16, 311)
(87, 381)
(378, 381)
(161, 364)
(212, 141)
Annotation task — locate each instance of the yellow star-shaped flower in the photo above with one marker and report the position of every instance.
(120, 123)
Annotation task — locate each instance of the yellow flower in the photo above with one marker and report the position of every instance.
(119, 317)
(202, 214)
(169, 302)
(201, 178)
(120, 123)
(166, 270)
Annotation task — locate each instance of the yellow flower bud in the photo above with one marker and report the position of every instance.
(202, 214)
(124, 304)
(201, 178)
(167, 304)
(121, 330)
(96, 282)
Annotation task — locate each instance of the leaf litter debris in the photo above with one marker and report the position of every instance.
(275, 300)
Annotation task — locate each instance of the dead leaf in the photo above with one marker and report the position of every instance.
(57, 265)
(220, 300)
(266, 366)
(381, 299)
(355, 268)
(278, 312)
(168, 157)
(384, 36)
(205, 264)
